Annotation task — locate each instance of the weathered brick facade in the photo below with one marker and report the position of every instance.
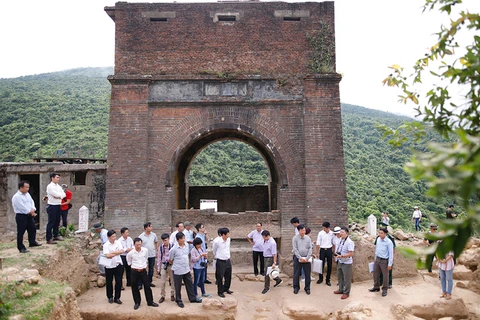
(187, 75)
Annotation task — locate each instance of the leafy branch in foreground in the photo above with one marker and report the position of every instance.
(451, 168)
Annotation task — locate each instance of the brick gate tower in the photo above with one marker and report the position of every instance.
(189, 74)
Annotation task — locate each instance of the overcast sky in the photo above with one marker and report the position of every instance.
(52, 35)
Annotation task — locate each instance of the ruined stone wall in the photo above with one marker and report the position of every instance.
(91, 194)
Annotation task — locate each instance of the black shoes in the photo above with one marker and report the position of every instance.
(161, 300)
(152, 285)
(221, 295)
(36, 244)
(384, 293)
(198, 300)
(136, 306)
(295, 291)
(374, 289)
(180, 304)
(229, 291)
(207, 281)
(153, 304)
(265, 290)
(110, 300)
(278, 283)
(24, 251)
(307, 291)
(117, 301)
(319, 280)
(328, 283)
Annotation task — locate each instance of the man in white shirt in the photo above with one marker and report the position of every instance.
(138, 259)
(343, 255)
(127, 245)
(324, 246)
(256, 239)
(180, 228)
(150, 241)
(102, 232)
(112, 249)
(223, 270)
(188, 232)
(55, 195)
(24, 209)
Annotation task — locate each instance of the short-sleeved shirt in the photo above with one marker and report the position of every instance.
(111, 247)
(149, 243)
(68, 196)
(104, 236)
(126, 244)
(188, 237)
(325, 240)
(257, 239)
(344, 247)
(179, 256)
(269, 248)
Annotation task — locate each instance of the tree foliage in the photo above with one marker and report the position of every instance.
(451, 107)
(64, 112)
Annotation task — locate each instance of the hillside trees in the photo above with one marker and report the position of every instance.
(451, 107)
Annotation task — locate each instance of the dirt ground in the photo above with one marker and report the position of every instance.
(252, 304)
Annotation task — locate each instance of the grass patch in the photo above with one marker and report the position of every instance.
(38, 306)
(7, 245)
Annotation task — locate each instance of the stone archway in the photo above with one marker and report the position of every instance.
(222, 131)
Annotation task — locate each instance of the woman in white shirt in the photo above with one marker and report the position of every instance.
(445, 268)
(112, 249)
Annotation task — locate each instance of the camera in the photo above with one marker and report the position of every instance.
(203, 264)
(165, 265)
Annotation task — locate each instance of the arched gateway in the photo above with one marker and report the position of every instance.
(187, 75)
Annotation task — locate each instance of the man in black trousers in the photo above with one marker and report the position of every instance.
(138, 259)
(24, 208)
(223, 270)
(325, 244)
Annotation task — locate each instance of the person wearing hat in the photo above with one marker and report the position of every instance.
(383, 261)
(417, 216)
(450, 213)
(343, 256)
(66, 205)
(189, 234)
(103, 232)
(428, 243)
(270, 259)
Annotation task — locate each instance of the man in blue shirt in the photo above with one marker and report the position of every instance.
(383, 261)
(24, 209)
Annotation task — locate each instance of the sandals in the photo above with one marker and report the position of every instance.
(448, 297)
(443, 295)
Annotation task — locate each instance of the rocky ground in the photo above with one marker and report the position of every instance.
(415, 294)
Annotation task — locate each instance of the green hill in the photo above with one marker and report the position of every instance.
(67, 112)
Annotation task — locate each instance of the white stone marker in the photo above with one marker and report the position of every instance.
(372, 225)
(83, 214)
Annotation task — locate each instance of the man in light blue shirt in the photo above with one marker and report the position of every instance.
(178, 258)
(383, 262)
(24, 209)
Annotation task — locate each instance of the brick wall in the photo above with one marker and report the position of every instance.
(187, 79)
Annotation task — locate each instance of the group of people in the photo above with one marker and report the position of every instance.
(58, 203)
(175, 257)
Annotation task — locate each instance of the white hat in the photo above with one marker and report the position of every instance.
(415, 207)
(274, 274)
(336, 230)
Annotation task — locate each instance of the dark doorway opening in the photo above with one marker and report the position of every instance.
(34, 181)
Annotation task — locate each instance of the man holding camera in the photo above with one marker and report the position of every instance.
(164, 268)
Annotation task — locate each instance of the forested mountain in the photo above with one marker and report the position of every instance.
(67, 112)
